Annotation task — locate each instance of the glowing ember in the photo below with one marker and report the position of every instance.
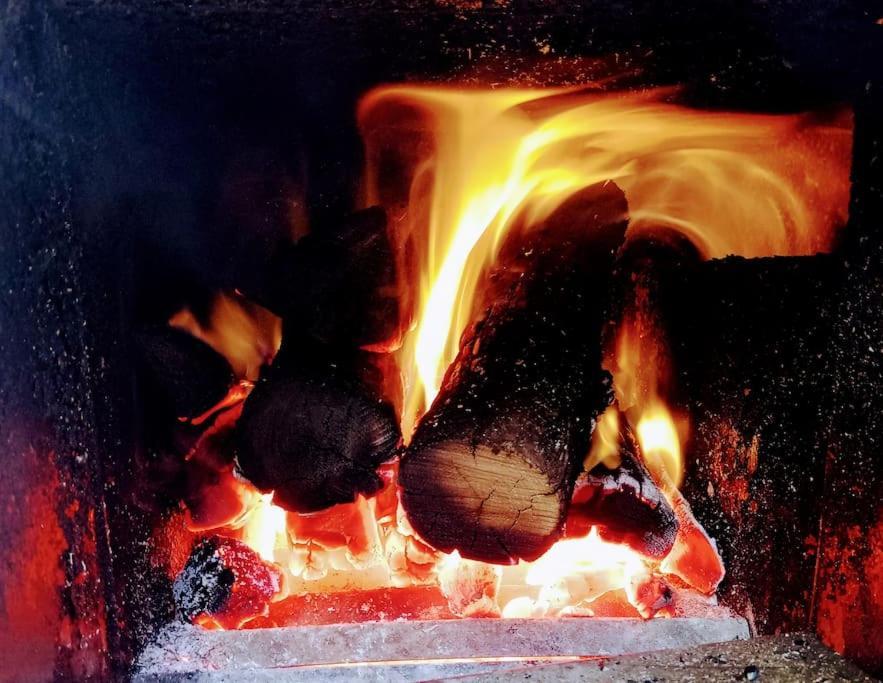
(263, 528)
(582, 556)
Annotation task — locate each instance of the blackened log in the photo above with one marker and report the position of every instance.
(624, 504)
(491, 467)
(180, 373)
(315, 437)
(339, 286)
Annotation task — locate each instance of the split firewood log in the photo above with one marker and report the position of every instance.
(315, 428)
(491, 467)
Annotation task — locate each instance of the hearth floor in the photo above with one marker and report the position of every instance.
(405, 651)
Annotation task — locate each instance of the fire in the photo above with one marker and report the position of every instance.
(660, 444)
(588, 555)
(247, 335)
(605, 441)
(264, 528)
(747, 184)
(484, 160)
(642, 377)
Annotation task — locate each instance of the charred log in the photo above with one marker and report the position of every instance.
(758, 360)
(491, 467)
(338, 287)
(315, 437)
(180, 373)
(315, 429)
(624, 504)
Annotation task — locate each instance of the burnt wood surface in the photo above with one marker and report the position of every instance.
(314, 435)
(338, 285)
(315, 427)
(847, 612)
(624, 504)
(491, 466)
(752, 339)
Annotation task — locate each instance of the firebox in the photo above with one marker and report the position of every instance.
(414, 340)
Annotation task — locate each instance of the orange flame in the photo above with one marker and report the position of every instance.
(605, 441)
(264, 528)
(247, 335)
(744, 184)
(641, 372)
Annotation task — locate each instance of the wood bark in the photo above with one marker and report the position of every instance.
(491, 467)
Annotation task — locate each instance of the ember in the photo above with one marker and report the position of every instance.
(225, 584)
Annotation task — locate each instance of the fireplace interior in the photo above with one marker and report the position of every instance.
(440, 338)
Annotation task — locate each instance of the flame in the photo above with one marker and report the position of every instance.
(264, 528)
(247, 335)
(642, 378)
(588, 555)
(605, 441)
(733, 183)
(660, 444)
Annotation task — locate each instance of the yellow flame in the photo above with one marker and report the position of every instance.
(582, 556)
(660, 443)
(246, 334)
(605, 441)
(264, 528)
(744, 184)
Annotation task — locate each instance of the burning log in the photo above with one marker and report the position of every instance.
(491, 467)
(339, 287)
(624, 504)
(315, 437)
(180, 373)
(694, 557)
